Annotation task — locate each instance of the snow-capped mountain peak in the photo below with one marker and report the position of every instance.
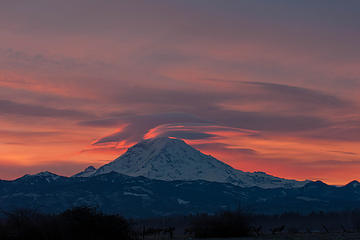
(86, 173)
(172, 159)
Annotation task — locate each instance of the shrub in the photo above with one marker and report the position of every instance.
(224, 224)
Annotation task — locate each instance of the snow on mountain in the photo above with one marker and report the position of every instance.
(39, 177)
(86, 173)
(172, 159)
(140, 197)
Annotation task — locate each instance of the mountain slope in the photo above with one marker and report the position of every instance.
(172, 159)
(142, 197)
(42, 177)
(86, 173)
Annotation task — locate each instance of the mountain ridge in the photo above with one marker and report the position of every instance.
(86, 173)
(142, 197)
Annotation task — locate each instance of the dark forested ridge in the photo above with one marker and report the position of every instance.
(114, 193)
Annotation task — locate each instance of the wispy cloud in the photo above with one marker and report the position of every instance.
(258, 89)
(24, 109)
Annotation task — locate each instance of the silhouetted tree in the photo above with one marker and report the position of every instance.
(74, 224)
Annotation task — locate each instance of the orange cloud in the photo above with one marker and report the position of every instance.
(277, 93)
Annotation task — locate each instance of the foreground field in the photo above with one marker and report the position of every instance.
(88, 223)
(299, 236)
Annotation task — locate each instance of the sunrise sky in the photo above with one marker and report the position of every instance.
(262, 85)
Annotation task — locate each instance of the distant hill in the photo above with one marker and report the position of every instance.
(143, 197)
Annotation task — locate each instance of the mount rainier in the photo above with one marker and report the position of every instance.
(163, 176)
(172, 159)
(134, 197)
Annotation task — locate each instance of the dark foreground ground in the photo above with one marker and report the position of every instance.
(301, 236)
(90, 224)
(315, 226)
(285, 236)
(282, 236)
